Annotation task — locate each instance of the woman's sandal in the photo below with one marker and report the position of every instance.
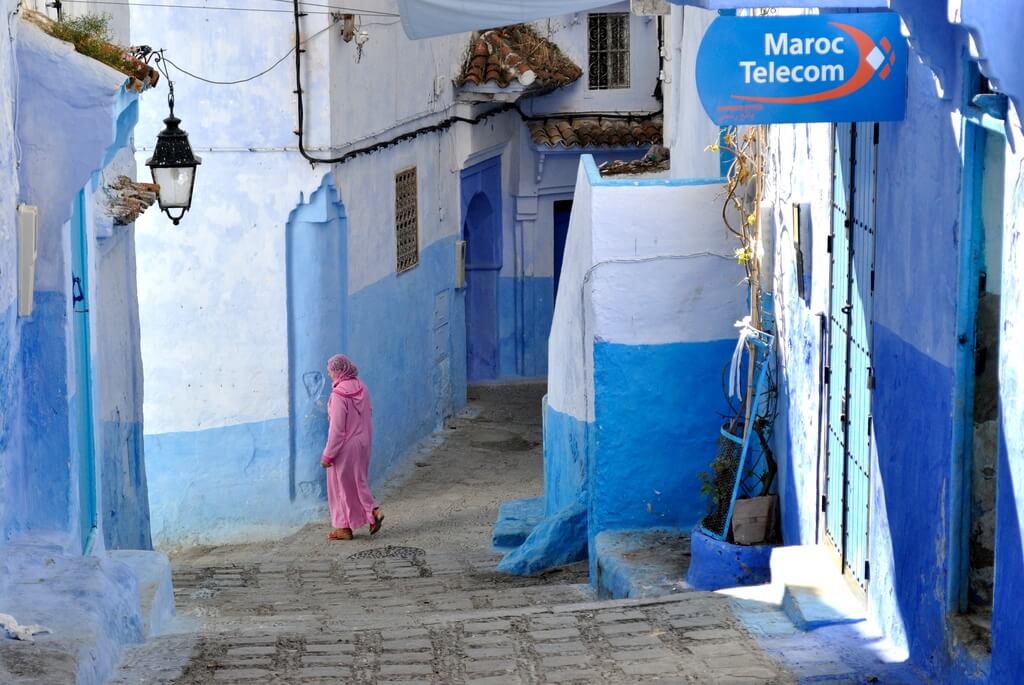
(378, 520)
(340, 534)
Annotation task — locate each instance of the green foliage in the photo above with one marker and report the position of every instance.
(90, 34)
(73, 29)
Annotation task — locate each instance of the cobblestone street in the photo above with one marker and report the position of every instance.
(421, 603)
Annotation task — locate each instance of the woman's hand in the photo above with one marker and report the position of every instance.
(326, 464)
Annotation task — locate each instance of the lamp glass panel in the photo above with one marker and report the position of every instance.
(175, 186)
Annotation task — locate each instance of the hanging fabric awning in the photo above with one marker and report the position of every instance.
(429, 18)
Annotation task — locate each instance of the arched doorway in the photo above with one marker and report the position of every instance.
(482, 233)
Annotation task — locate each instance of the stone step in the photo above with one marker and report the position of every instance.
(642, 563)
(815, 594)
(156, 594)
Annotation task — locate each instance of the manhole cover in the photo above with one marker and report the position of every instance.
(389, 552)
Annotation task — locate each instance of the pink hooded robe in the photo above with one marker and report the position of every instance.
(349, 438)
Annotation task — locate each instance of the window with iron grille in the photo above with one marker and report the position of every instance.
(407, 221)
(609, 50)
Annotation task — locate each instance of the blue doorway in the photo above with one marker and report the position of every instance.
(481, 229)
(562, 214)
(87, 509)
(979, 425)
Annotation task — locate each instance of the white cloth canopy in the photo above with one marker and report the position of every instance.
(429, 18)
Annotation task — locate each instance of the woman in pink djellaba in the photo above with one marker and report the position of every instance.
(347, 454)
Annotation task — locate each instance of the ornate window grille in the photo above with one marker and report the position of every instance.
(407, 222)
(609, 50)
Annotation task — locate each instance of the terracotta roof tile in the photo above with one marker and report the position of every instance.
(128, 199)
(595, 131)
(516, 53)
(656, 159)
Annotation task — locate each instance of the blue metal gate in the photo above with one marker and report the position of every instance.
(849, 374)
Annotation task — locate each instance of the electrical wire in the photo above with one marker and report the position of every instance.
(333, 8)
(120, 3)
(254, 76)
(347, 10)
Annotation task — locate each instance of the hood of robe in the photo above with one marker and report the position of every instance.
(354, 390)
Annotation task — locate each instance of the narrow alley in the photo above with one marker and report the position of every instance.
(421, 602)
(672, 341)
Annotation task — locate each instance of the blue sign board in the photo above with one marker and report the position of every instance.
(826, 67)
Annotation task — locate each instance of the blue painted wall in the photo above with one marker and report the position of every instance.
(916, 476)
(9, 378)
(414, 364)
(565, 459)
(658, 410)
(413, 352)
(523, 339)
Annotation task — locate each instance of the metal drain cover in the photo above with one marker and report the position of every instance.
(389, 552)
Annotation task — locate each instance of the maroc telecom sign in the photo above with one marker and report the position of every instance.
(827, 67)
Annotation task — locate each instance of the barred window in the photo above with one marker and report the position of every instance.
(407, 221)
(609, 50)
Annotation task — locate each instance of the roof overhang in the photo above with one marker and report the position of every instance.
(491, 92)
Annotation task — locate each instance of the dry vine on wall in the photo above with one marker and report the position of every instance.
(741, 215)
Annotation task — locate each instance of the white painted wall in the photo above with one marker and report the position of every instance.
(212, 290)
(644, 264)
(570, 355)
(571, 34)
(212, 295)
(688, 129)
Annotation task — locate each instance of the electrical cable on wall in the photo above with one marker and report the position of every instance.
(250, 78)
(442, 125)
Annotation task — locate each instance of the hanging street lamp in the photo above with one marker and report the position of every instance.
(173, 164)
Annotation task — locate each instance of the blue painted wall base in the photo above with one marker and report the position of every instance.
(653, 438)
(558, 540)
(715, 564)
(565, 465)
(516, 520)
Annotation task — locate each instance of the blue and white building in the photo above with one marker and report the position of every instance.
(281, 263)
(899, 437)
(933, 449)
(75, 543)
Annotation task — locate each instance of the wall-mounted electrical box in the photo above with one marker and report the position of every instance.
(460, 263)
(28, 219)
